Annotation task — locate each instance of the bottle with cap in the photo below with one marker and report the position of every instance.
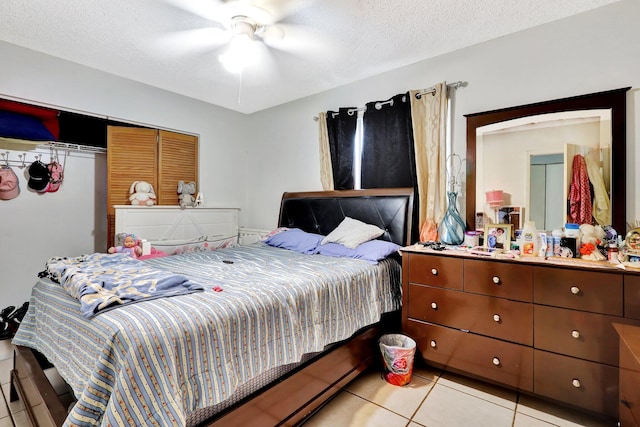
(529, 245)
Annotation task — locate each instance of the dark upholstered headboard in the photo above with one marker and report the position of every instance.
(321, 211)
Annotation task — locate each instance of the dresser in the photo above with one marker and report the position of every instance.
(543, 327)
(629, 375)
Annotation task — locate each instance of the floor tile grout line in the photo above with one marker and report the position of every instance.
(377, 404)
(482, 398)
(434, 382)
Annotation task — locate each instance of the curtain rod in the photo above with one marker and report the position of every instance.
(431, 90)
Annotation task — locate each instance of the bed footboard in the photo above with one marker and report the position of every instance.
(31, 385)
(299, 395)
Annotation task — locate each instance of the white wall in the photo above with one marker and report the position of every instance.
(591, 52)
(71, 222)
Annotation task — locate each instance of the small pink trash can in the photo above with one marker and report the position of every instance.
(397, 352)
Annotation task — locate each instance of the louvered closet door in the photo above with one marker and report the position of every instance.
(131, 156)
(177, 161)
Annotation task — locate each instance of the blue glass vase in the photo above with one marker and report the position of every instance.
(451, 228)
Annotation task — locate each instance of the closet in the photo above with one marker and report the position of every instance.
(159, 157)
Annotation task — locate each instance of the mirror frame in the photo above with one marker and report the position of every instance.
(615, 100)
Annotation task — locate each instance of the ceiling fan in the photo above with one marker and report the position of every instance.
(242, 50)
(241, 29)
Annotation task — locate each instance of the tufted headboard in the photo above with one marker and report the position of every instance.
(321, 211)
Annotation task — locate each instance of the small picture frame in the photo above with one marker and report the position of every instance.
(511, 215)
(498, 236)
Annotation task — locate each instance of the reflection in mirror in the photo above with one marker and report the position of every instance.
(503, 144)
(530, 160)
(545, 197)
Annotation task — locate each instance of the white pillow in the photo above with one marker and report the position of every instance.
(351, 233)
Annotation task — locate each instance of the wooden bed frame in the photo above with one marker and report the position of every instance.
(294, 397)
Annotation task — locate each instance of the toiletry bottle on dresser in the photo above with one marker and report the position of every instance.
(529, 240)
(557, 236)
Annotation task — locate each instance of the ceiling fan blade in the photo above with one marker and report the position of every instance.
(265, 70)
(187, 42)
(297, 39)
(282, 9)
(213, 10)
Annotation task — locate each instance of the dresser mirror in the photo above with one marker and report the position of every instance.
(526, 152)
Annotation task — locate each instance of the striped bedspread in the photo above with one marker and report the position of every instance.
(153, 362)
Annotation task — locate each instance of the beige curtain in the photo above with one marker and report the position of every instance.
(429, 114)
(326, 173)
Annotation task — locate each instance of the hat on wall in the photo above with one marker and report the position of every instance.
(39, 176)
(9, 188)
(56, 172)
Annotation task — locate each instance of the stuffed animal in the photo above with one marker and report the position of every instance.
(129, 246)
(142, 194)
(186, 192)
(590, 238)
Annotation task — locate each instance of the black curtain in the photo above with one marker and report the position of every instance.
(341, 128)
(388, 154)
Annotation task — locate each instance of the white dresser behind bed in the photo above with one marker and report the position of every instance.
(172, 223)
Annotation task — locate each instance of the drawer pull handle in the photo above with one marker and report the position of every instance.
(434, 271)
(575, 290)
(434, 305)
(575, 334)
(496, 280)
(497, 318)
(433, 343)
(496, 361)
(576, 383)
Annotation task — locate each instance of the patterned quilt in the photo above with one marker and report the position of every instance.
(103, 281)
(154, 362)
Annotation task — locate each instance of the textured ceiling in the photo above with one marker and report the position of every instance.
(174, 44)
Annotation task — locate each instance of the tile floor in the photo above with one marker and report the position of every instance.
(436, 399)
(432, 399)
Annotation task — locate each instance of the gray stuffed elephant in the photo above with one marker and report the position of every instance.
(186, 192)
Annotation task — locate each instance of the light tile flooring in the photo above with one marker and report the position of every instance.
(432, 399)
(436, 399)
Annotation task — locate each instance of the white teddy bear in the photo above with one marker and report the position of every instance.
(186, 191)
(142, 194)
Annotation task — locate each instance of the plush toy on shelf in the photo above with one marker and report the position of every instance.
(129, 246)
(142, 194)
(186, 192)
(591, 237)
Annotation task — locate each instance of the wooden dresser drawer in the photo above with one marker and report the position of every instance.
(632, 296)
(506, 280)
(588, 385)
(629, 388)
(598, 292)
(433, 270)
(498, 361)
(576, 333)
(495, 317)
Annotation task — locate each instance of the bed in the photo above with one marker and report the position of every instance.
(263, 377)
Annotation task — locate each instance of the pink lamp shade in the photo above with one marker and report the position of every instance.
(494, 198)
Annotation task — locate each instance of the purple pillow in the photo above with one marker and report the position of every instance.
(372, 251)
(296, 240)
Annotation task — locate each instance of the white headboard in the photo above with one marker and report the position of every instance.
(155, 223)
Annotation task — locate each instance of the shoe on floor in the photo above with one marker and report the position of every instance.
(6, 312)
(19, 313)
(5, 331)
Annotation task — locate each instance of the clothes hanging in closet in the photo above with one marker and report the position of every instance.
(580, 192)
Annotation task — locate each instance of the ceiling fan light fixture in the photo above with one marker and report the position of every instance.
(242, 50)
